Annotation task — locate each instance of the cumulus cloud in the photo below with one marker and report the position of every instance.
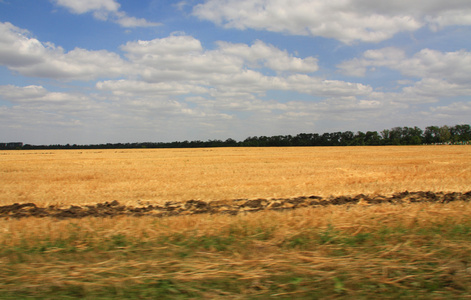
(186, 53)
(462, 109)
(440, 74)
(17, 48)
(179, 65)
(174, 44)
(437, 88)
(230, 70)
(28, 56)
(14, 93)
(321, 87)
(84, 6)
(175, 82)
(134, 88)
(385, 57)
(36, 94)
(104, 10)
(181, 57)
(262, 54)
(455, 66)
(219, 83)
(345, 20)
(174, 58)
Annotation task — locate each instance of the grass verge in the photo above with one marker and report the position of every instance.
(418, 250)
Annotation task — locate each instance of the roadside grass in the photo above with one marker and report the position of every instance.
(418, 251)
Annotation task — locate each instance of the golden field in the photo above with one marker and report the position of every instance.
(65, 177)
(392, 250)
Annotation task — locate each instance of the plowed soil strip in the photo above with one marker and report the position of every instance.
(232, 207)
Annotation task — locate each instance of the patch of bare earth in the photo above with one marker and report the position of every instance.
(231, 207)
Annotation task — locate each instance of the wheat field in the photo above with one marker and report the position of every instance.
(65, 177)
(405, 250)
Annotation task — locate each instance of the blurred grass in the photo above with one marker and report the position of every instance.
(409, 251)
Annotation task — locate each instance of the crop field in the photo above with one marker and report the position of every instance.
(236, 223)
(76, 177)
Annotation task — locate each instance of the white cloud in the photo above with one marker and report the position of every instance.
(180, 61)
(269, 56)
(105, 10)
(174, 58)
(230, 77)
(17, 48)
(454, 66)
(425, 63)
(160, 74)
(442, 75)
(175, 86)
(344, 20)
(36, 94)
(131, 22)
(438, 88)
(174, 44)
(133, 88)
(454, 109)
(385, 57)
(84, 6)
(14, 93)
(180, 58)
(28, 56)
(315, 86)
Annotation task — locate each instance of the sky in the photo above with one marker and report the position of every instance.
(119, 71)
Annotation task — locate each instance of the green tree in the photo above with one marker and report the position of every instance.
(445, 134)
(432, 134)
(461, 133)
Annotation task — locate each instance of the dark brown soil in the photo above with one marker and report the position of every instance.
(232, 207)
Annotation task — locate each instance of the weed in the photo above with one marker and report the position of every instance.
(461, 231)
(189, 241)
(328, 236)
(339, 286)
(356, 240)
(118, 241)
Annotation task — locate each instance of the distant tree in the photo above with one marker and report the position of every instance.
(385, 134)
(346, 138)
(461, 133)
(395, 136)
(372, 138)
(250, 142)
(358, 139)
(230, 143)
(411, 136)
(445, 134)
(432, 134)
(335, 138)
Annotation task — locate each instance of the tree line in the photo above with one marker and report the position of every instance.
(458, 134)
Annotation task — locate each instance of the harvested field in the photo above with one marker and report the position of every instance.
(156, 176)
(257, 223)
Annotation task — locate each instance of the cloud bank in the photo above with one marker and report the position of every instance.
(182, 86)
(344, 20)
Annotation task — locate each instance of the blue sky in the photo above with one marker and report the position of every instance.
(99, 71)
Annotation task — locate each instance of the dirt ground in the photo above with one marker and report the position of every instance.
(231, 207)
